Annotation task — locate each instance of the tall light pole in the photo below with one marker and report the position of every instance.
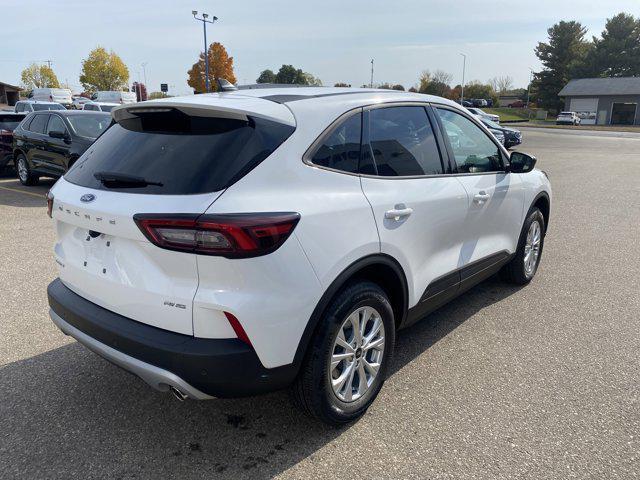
(371, 84)
(206, 53)
(464, 66)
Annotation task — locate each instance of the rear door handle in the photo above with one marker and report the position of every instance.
(398, 212)
(481, 197)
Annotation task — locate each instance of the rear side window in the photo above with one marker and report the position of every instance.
(341, 149)
(179, 154)
(27, 122)
(39, 123)
(403, 142)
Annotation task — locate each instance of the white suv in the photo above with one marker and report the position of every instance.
(236, 243)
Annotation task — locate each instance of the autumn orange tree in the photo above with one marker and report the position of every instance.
(220, 66)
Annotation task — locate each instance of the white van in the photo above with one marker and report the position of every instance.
(58, 95)
(114, 97)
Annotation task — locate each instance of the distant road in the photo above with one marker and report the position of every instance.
(582, 132)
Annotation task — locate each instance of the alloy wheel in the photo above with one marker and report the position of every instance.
(23, 173)
(357, 354)
(532, 248)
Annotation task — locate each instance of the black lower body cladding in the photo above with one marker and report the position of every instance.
(216, 367)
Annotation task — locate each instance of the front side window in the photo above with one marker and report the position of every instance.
(56, 125)
(89, 107)
(39, 123)
(107, 108)
(403, 142)
(341, 149)
(20, 107)
(474, 151)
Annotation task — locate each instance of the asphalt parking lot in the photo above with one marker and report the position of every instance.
(538, 382)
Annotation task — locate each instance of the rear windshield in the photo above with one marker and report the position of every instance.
(179, 154)
(90, 124)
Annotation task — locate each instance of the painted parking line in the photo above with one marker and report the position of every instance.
(39, 195)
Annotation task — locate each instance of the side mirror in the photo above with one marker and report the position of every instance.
(521, 162)
(61, 135)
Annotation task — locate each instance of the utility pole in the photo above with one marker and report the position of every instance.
(48, 62)
(206, 50)
(464, 67)
(371, 84)
(529, 87)
(144, 69)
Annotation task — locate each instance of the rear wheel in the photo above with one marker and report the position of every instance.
(522, 268)
(25, 175)
(348, 358)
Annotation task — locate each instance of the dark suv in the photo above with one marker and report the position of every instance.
(8, 122)
(47, 143)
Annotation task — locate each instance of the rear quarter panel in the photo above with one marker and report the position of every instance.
(274, 296)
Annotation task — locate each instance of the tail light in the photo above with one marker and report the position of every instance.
(240, 235)
(237, 328)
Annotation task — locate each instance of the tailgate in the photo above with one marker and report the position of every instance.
(103, 256)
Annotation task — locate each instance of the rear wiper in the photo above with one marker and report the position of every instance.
(122, 180)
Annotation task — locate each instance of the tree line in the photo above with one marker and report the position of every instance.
(101, 70)
(568, 54)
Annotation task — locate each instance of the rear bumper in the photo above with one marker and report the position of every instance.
(200, 368)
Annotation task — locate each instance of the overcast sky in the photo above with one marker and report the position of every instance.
(334, 40)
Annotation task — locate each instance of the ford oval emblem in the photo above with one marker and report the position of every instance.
(87, 197)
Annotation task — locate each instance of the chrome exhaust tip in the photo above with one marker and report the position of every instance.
(178, 394)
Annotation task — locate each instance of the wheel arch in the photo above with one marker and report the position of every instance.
(383, 270)
(543, 202)
(19, 151)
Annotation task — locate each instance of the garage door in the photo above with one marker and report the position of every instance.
(586, 108)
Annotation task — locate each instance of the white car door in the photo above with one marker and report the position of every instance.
(419, 210)
(496, 197)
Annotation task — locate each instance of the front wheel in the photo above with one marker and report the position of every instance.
(347, 361)
(25, 175)
(522, 268)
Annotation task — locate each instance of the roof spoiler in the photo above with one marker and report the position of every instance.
(237, 107)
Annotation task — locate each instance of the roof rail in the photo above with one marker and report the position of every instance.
(255, 86)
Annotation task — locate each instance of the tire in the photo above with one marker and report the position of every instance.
(23, 170)
(518, 270)
(313, 391)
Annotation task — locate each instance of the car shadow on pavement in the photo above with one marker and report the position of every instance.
(67, 413)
